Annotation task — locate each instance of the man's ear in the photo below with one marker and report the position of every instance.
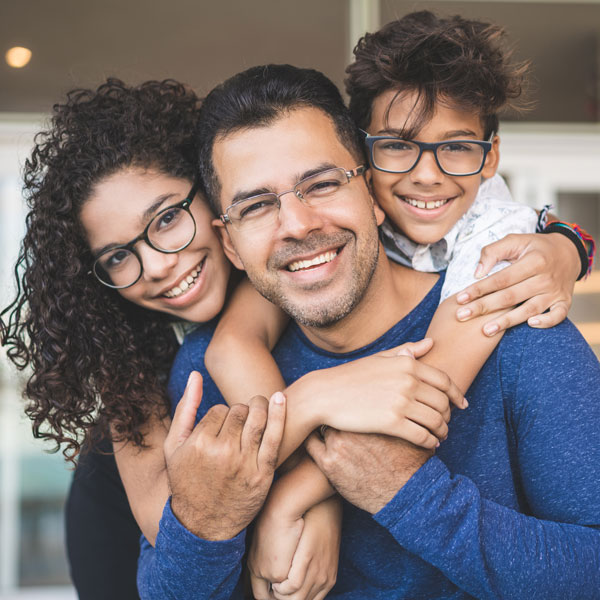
(227, 244)
(492, 159)
(377, 210)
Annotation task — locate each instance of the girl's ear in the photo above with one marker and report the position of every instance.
(227, 244)
(492, 159)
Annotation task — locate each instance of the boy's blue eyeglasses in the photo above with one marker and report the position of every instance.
(454, 157)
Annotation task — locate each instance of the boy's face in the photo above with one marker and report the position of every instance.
(399, 193)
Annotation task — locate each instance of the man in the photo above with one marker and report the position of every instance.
(508, 506)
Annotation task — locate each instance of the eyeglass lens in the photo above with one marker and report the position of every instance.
(263, 210)
(455, 158)
(169, 231)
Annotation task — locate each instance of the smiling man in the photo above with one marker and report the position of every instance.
(509, 505)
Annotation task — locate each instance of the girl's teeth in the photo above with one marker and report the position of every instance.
(184, 285)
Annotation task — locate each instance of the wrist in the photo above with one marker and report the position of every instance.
(307, 406)
(203, 526)
(579, 239)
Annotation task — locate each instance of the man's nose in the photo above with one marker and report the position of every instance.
(296, 218)
(156, 265)
(427, 171)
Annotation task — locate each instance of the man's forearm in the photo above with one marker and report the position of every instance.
(489, 550)
(183, 566)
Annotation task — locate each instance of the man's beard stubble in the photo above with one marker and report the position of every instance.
(321, 315)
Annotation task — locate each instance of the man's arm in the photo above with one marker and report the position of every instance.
(220, 471)
(487, 549)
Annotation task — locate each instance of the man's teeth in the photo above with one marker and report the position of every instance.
(317, 260)
(423, 204)
(186, 283)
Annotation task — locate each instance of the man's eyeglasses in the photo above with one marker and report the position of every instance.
(171, 230)
(262, 210)
(453, 157)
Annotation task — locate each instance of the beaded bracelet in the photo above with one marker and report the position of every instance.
(584, 242)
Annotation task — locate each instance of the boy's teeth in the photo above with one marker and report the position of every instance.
(185, 284)
(317, 260)
(423, 204)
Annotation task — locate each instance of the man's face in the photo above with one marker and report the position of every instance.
(315, 262)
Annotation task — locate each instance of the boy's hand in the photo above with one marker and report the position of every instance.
(313, 568)
(541, 277)
(390, 393)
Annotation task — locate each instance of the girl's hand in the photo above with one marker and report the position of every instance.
(542, 276)
(390, 393)
(314, 564)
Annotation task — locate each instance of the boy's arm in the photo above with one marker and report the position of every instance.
(238, 357)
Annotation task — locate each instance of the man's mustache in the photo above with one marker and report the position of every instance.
(312, 244)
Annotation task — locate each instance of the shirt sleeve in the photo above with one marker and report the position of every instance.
(493, 216)
(183, 566)
(552, 548)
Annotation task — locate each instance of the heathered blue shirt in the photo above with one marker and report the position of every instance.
(509, 507)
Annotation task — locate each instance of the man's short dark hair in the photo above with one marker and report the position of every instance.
(452, 59)
(256, 98)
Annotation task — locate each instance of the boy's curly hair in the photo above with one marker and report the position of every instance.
(94, 359)
(459, 61)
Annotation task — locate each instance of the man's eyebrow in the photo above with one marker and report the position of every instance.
(245, 194)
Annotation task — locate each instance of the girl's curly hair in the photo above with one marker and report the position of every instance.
(463, 61)
(95, 358)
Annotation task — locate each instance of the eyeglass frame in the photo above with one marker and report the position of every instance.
(350, 174)
(370, 141)
(130, 246)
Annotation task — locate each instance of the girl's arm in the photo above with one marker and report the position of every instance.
(144, 476)
(238, 357)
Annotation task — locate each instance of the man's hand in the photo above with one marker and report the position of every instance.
(221, 470)
(366, 469)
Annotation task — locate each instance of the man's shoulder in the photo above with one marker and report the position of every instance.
(545, 364)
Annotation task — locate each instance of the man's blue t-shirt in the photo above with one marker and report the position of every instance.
(509, 507)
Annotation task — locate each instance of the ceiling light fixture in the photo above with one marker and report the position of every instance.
(17, 57)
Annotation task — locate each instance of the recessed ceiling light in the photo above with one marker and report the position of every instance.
(18, 57)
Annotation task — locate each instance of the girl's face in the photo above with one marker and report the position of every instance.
(119, 208)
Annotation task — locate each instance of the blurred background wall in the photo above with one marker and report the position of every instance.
(549, 155)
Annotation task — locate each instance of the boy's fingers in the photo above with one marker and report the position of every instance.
(557, 313)
(184, 418)
(509, 248)
(273, 434)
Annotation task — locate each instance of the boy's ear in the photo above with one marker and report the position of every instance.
(379, 214)
(492, 159)
(227, 244)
